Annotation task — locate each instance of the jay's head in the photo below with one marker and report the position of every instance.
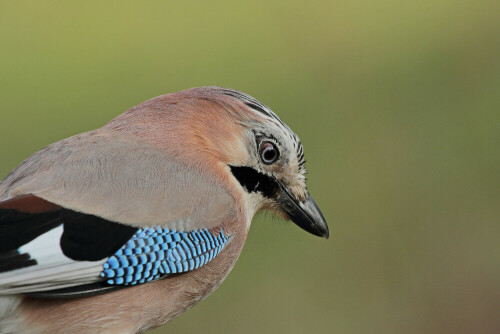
(252, 149)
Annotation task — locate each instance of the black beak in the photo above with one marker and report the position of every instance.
(305, 214)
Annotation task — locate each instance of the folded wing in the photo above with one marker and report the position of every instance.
(65, 253)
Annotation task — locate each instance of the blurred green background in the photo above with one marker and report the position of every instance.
(397, 104)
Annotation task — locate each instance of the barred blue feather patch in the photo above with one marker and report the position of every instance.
(155, 252)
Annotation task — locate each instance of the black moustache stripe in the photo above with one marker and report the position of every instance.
(253, 181)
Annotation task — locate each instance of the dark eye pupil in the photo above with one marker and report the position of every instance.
(268, 153)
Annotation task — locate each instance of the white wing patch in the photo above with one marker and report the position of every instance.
(53, 269)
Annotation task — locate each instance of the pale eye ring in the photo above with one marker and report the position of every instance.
(268, 152)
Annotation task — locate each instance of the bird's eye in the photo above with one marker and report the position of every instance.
(268, 152)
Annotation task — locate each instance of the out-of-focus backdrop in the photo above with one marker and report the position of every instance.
(397, 104)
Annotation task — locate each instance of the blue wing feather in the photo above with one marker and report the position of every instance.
(155, 252)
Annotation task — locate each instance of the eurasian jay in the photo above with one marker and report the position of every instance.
(120, 229)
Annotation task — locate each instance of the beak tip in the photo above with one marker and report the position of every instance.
(305, 214)
(325, 233)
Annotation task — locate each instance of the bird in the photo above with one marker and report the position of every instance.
(123, 228)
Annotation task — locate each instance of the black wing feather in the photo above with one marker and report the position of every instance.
(19, 228)
(91, 238)
(85, 237)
